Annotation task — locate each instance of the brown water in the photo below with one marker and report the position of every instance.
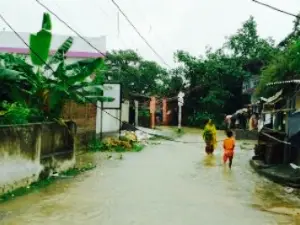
(166, 184)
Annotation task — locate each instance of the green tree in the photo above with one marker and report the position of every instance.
(252, 51)
(285, 66)
(293, 36)
(220, 74)
(136, 74)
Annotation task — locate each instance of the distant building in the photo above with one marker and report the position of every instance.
(250, 85)
(10, 43)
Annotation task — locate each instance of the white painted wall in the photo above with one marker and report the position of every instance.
(111, 123)
(68, 60)
(9, 39)
(125, 111)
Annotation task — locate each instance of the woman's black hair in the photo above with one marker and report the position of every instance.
(206, 121)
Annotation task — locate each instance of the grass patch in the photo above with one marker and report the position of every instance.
(40, 184)
(179, 132)
(138, 147)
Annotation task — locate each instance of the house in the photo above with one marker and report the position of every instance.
(85, 116)
(250, 85)
(10, 43)
(279, 137)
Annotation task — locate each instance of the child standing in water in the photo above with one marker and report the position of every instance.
(229, 145)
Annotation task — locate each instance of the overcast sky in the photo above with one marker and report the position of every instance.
(168, 25)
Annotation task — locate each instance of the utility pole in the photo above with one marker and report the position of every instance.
(180, 104)
(136, 108)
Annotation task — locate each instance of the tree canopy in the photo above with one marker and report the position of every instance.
(213, 81)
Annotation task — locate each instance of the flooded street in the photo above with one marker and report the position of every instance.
(166, 184)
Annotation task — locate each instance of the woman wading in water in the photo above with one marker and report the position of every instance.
(210, 137)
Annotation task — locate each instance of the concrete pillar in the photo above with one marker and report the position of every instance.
(152, 112)
(164, 111)
(136, 115)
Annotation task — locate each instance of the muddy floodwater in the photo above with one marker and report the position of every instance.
(166, 184)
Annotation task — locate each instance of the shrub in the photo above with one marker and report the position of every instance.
(16, 113)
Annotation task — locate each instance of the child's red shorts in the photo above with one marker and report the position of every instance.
(228, 155)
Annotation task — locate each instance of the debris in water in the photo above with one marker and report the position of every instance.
(289, 190)
(294, 166)
(54, 174)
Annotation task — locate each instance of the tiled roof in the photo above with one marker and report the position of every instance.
(284, 82)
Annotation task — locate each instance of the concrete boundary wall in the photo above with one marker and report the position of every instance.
(246, 135)
(27, 150)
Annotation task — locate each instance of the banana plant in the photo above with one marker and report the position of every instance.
(40, 43)
(50, 82)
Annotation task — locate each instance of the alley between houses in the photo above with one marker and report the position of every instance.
(166, 184)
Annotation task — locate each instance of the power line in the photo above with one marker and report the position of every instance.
(164, 43)
(18, 35)
(79, 35)
(66, 24)
(118, 35)
(46, 64)
(276, 9)
(138, 32)
(123, 13)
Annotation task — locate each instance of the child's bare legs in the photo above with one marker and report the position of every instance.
(230, 161)
(229, 158)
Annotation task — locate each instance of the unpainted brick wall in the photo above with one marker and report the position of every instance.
(85, 118)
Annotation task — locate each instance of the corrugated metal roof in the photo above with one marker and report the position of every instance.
(284, 82)
(274, 97)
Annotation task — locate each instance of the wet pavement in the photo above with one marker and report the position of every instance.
(166, 184)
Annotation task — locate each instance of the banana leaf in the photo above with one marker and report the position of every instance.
(18, 94)
(94, 99)
(91, 89)
(40, 46)
(83, 69)
(56, 98)
(86, 63)
(62, 50)
(46, 24)
(81, 85)
(10, 75)
(78, 98)
(60, 72)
